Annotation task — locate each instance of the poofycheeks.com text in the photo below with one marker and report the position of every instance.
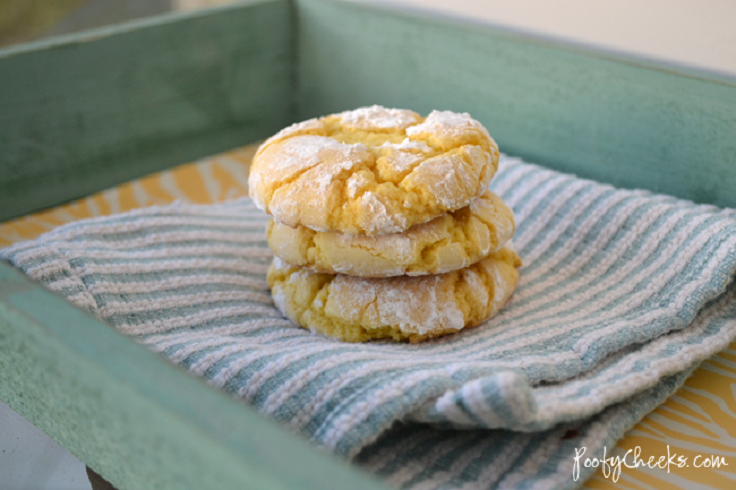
(611, 466)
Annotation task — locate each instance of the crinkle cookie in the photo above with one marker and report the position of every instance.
(447, 243)
(357, 309)
(373, 170)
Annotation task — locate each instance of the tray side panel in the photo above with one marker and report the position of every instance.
(627, 122)
(136, 418)
(99, 108)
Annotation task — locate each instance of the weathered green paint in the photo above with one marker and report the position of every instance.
(85, 112)
(601, 116)
(89, 111)
(134, 417)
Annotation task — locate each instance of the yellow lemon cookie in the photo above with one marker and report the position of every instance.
(373, 170)
(447, 243)
(356, 309)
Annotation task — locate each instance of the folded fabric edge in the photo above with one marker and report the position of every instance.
(507, 401)
(418, 455)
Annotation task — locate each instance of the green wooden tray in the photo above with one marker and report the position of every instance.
(85, 112)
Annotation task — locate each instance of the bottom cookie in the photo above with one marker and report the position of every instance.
(356, 309)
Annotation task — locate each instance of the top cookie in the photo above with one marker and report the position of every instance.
(373, 170)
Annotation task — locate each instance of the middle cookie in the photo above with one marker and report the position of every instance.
(449, 242)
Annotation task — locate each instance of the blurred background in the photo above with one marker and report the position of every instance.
(687, 33)
(29, 20)
(698, 34)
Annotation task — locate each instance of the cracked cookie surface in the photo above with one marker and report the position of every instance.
(449, 242)
(372, 171)
(356, 309)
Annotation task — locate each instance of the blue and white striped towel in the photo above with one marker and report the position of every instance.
(622, 294)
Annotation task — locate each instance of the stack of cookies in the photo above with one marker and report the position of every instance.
(383, 225)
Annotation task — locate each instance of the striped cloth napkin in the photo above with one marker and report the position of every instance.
(622, 294)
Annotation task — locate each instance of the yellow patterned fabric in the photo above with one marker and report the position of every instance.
(698, 422)
(210, 180)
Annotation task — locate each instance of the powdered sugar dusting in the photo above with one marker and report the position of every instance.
(500, 288)
(425, 308)
(279, 264)
(406, 155)
(404, 161)
(295, 129)
(479, 290)
(303, 152)
(377, 217)
(481, 206)
(356, 183)
(504, 229)
(256, 196)
(348, 297)
(416, 305)
(299, 179)
(447, 124)
(279, 299)
(379, 117)
(442, 174)
(321, 160)
(408, 144)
